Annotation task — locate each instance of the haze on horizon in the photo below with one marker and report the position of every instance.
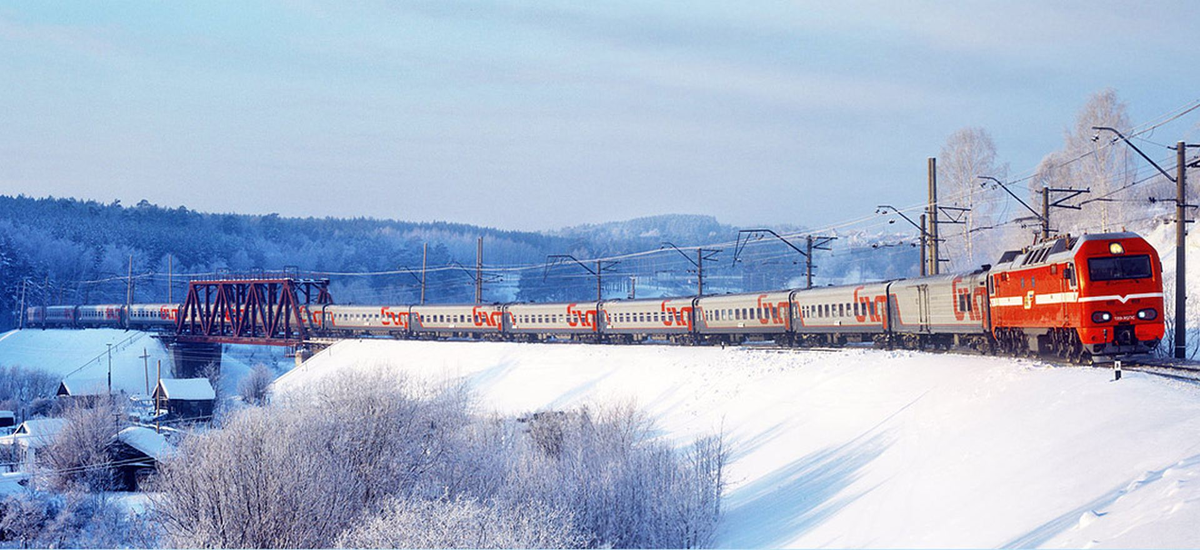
(524, 116)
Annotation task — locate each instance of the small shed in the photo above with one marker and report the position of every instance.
(82, 390)
(186, 398)
(138, 451)
(28, 438)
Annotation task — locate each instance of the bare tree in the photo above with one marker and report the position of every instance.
(1091, 161)
(80, 458)
(968, 154)
(253, 388)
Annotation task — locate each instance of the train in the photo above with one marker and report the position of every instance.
(1081, 298)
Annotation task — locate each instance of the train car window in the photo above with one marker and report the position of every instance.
(1033, 282)
(1022, 282)
(1116, 268)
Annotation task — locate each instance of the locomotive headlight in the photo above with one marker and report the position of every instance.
(1148, 314)
(1101, 317)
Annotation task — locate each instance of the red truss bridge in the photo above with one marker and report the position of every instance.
(261, 308)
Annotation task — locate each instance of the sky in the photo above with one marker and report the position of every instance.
(540, 115)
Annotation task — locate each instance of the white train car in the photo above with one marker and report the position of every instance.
(360, 319)
(109, 315)
(940, 309)
(35, 316)
(838, 314)
(152, 315)
(60, 315)
(631, 320)
(760, 313)
(577, 320)
(456, 321)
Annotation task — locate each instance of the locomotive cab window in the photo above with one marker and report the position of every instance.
(1117, 268)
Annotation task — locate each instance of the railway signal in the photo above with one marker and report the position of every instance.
(812, 242)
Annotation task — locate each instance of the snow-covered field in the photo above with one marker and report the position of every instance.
(867, 447)
(82, 356)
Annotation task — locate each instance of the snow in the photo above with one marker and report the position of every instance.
(82, 355)
(188, 389)
(864, 447)
(146, 440)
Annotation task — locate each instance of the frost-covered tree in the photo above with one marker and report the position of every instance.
(1090, 160)
(253, 388)
(81, 456)
(968, 154)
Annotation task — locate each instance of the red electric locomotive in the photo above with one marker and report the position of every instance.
(1078, 297)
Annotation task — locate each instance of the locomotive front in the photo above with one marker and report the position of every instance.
(1120, 294)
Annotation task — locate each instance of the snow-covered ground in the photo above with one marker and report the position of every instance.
(867, 447)
(82, 356)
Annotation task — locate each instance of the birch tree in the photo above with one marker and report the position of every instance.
(969, 153)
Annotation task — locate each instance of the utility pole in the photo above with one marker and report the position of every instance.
(21, 313)
(932, 214)
(601, 266)
(1180, 256)
(424, 259)
(146, 367)
(1045, 213)
(701, 255)
(479, 272)
(924, 244)
(129, 283)
(170, 277)
(157, 397)
(808, 246)
(1181, 222)
(110, 370)
(812, 243)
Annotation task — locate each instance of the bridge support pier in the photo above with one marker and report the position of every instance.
(192, 358)
(305, 352)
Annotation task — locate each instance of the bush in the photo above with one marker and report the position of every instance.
(253, 388)
(81, 455)
(377, 461)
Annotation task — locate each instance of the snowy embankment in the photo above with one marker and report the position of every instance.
(81, 356)
(867, 447)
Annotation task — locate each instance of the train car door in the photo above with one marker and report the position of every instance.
(923, 308)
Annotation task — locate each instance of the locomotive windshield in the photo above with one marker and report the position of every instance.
(1115, 268)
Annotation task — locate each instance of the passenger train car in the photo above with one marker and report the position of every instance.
(1072, 297)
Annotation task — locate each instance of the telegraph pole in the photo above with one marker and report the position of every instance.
(110, 370)
(601, 266)
(129, 283)
(424, 258)
(924, 245)
(932, 214)
(146, 367)
(479, 272)
(808, 245)
(1180, 256)
(1045, 213)
(811, 243)
(21, 314)
(701, 255)
(1181, 222)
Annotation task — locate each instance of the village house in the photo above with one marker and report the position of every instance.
(24, 443)
(186, 399)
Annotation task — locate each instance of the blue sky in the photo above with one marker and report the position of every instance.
(531, 115)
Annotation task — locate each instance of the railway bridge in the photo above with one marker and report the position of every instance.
(265, 309)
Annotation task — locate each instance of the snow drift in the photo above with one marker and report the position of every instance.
(867, 447)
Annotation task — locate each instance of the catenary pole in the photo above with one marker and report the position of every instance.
(1180, 255)
(424, 260)
(932, 213)
(479, 272)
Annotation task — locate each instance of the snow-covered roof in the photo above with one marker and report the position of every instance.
(187, 389)
(149, 442)
(38, 432)
(83, 386)
(7, 414)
